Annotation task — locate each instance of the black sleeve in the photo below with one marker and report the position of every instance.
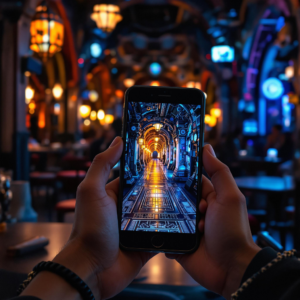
(279, 282)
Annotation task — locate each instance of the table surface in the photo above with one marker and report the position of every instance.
(266, 183)
(159, 270)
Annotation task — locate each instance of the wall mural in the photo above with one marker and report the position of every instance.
(161, 174)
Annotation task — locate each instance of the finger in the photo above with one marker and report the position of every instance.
(201, 225)
(203, 206)
(220, 175)
(207, 187)
(102, 164)
(112, 189)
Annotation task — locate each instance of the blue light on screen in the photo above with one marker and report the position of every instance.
(96, 50)
(155, 68)
(222, 54)
(272, 88)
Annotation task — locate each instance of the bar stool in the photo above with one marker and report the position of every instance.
(64, 207)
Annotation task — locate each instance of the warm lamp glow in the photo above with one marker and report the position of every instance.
(156, 139)
(155, 83)
(216, 112)
(157, 126)
(119, 94)
(289, 72)
(93, 96)
(101, 114)
(56, 109)
(93, 115)
(128, 82)
(141, 141)
(85, 111)
(42, 120)
(109, 119)
(193, 84)
(212, 121)
(57, 91)
(207, 119)
(31, 105)
(87, 122)
(47, 32)
(106, 16)
(29, 94)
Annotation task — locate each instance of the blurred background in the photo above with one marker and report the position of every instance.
(66, 64)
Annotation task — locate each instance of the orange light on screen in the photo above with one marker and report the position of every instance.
(42, 120)
(119, 93)
(155, 83)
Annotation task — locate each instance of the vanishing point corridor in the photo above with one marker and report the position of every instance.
(156, 203)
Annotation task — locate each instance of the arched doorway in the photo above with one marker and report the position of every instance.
(155, 154)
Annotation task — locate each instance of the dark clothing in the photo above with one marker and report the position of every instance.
(280, 282)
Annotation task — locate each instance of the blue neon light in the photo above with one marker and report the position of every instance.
(272, 88)
(114, 70)
(250, 127)
(96, 50)
(280, 23)
(222, 54)
(155, 69)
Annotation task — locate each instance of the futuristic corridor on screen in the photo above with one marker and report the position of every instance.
(161, 163)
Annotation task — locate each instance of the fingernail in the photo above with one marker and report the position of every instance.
(115, 142)
(212, 151)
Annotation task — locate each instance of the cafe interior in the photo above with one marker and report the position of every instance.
(65, 66)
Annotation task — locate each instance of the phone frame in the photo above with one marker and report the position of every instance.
(141, 240)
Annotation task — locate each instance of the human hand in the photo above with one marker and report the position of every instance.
(226, 247)
(94, 241)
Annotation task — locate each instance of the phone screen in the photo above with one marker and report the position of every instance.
(161, 167)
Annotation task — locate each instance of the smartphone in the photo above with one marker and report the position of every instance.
(161, 169)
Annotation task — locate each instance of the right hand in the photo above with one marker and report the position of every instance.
(226, 247)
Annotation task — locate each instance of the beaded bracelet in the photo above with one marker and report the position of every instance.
(280, 257)
(74, 280)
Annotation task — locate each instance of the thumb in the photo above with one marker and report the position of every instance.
(221, 177)
(104, 162)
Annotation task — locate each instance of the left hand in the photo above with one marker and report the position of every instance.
(96, 226)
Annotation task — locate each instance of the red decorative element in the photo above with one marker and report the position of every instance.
(68, 50)
(208, 56)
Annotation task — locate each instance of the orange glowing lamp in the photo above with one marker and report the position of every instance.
(106, 16)
(47, 32)
(85, 111)
(216, 112)
(108, 119)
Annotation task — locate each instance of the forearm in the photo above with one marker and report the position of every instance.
(47, 285)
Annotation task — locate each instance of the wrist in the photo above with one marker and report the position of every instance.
(237, 269)
(75, 257)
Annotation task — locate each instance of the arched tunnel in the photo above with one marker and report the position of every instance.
(161, 160)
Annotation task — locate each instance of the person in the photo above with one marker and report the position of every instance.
(227, 261)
